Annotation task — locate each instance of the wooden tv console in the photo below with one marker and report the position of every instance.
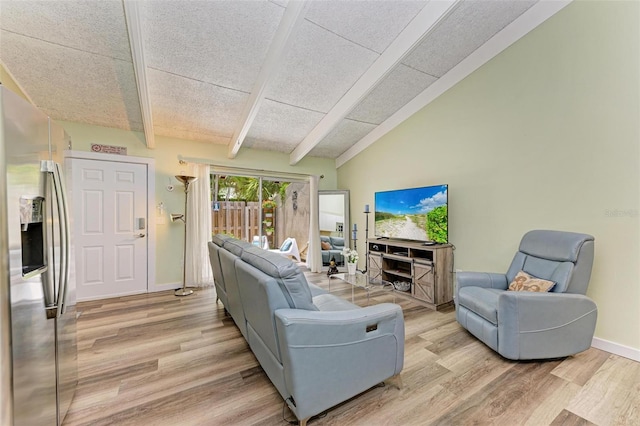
(429, 269)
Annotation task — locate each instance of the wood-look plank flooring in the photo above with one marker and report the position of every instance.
(158, 359)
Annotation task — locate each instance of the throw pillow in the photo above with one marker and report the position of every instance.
(286, 245)
(526, 282)
(325, 245)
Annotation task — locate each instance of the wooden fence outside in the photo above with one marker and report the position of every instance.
(238, 218)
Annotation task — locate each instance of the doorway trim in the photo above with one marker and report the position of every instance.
(150, 164)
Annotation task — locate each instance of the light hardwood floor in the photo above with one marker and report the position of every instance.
(158, 359)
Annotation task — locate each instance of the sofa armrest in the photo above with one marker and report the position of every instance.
(533, 325)
(298, 327)
(482, 279)
(331, 356)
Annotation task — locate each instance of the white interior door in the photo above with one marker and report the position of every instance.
(110, 224)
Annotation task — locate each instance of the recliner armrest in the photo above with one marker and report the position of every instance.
(544, 325)
(532, 312)
(482, 279)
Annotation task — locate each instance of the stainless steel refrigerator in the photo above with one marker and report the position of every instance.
(38, 356)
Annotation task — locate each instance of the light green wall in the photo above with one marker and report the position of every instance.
(546, 135)
(166, 155)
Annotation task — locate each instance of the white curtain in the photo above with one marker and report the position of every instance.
(314, 255)
(198, 228)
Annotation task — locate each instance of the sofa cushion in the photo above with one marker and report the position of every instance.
(526, 282)
(325, 245)
(219, 239)
(337, 243)
(330, 302)
(481, 301)
(315, 290)
(553, 245)
(291, 280)
(557, 272)
(236, 246)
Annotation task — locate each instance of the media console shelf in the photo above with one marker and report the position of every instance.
(429, 269)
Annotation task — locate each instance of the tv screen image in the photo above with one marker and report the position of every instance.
(413, 214)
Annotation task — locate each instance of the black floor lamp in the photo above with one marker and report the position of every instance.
(354, 237)
(366, 239)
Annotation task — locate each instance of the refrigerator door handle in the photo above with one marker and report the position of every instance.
(63, 214)
(48, 276)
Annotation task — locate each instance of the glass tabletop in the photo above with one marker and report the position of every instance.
(362, 280)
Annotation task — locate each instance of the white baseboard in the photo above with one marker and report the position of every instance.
(164, 287)
(110, 296)
(172, 286)
(616, 348)
(154, 289)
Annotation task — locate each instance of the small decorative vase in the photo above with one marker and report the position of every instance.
(351, 268)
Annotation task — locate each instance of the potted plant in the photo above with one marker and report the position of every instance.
(351, 258)
(269, 230)
(268, 204)
(267, 222)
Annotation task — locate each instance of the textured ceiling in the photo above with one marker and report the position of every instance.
(214, 68)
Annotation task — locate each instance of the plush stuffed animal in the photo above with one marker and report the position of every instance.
(333, 269)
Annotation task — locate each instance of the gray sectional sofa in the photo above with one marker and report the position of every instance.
(317, 349)
(336, 245)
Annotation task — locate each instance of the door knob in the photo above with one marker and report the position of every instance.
(140, 235)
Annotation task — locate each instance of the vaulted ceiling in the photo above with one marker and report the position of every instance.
(314, 77)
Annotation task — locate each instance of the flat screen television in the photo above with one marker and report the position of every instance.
(419, 214)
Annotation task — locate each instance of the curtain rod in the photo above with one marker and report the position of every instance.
(245, 171)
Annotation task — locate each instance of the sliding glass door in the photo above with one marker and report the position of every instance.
(264, 210)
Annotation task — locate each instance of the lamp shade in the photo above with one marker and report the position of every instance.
(186, 180)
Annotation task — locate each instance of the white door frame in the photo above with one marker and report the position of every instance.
(150, 164)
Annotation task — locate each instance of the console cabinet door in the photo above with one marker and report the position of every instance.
(423, 287)
(375, 266)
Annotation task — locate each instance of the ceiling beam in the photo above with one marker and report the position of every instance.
(291, 20)
(134, 29)
(425, 21)
(16, 82)
(513, 32)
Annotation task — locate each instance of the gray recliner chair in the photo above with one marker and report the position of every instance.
(522, 325)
